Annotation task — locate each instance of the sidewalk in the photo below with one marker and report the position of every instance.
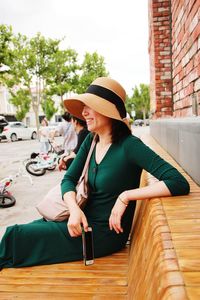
(27, 195)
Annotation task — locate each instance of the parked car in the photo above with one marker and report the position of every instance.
(17, 131)
(3, 123)
(138, 122)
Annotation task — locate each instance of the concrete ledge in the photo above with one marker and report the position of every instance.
(181, 139)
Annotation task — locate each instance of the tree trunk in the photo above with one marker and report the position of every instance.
(144, 116)
(35, 107)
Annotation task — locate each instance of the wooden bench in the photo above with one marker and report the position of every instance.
(162, 260)
(165, 248)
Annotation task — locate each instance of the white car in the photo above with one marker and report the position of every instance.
(17, 131)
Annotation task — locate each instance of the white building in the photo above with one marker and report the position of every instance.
(6, 108)
(9, 110)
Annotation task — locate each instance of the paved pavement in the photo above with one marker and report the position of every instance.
(27, 195)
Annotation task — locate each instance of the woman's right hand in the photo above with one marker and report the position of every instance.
(77, 219)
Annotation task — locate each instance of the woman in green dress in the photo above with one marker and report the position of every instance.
(114, 176)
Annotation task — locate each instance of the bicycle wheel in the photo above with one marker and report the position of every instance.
(6, 200)
(33, 171)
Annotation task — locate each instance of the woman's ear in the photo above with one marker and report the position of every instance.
(74, 122)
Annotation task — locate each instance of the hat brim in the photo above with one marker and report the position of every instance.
(75, 106)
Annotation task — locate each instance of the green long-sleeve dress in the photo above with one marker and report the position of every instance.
(42, 242)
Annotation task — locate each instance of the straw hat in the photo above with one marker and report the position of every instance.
(105, 95)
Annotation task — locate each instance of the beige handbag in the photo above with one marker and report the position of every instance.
(53, 208)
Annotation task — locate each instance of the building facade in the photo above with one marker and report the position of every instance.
(174, 50)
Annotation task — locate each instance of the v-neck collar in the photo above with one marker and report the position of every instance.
(103, 158)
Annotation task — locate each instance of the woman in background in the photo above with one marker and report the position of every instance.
(44, 136)
(81, 131)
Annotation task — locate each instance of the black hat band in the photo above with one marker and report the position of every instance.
(109, 96)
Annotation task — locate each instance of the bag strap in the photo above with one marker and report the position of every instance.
(88, 158)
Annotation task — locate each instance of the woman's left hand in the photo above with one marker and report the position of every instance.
(116, 215)
(62, 165)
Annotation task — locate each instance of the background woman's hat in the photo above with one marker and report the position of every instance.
(105, 95)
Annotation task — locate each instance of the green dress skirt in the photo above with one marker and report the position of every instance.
(42, 242)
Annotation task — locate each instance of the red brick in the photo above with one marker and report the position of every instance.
(193, 75)
(189, 89)
(196, 59)
(194, 6)
(188, 68)
(186, 112)
(185, 58)
(155, 5)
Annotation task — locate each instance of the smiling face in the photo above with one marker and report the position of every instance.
(96, 122)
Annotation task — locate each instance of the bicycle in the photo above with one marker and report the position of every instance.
(39, 163)
(6, 197)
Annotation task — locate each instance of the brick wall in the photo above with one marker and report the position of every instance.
(174, 49)
(160, 58)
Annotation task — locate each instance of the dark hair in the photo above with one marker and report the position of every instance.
(81, 122)
(66, 116)
(119, 131)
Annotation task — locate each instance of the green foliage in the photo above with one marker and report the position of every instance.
(41, 53)
(140, 101)
(129, 104)
(62, 72)
(48, 108)
(93, 66)
(5, 43)
(22, 101)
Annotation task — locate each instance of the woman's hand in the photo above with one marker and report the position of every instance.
(76, 219)
(64, 159)
(117, 213)
(62, 165)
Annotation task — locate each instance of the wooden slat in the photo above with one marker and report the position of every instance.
(193, 293)
(56, 296)
(107, 277)
(192, 278)
(70, 289)
(165, 250)
(71, 278)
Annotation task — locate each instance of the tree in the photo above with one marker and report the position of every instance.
(141, 100)
(22, 100)
(48, 107)
(93, 66)
(62, 73)
(129, 105)
(41, 53)
(30, 66)
(5, 41)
